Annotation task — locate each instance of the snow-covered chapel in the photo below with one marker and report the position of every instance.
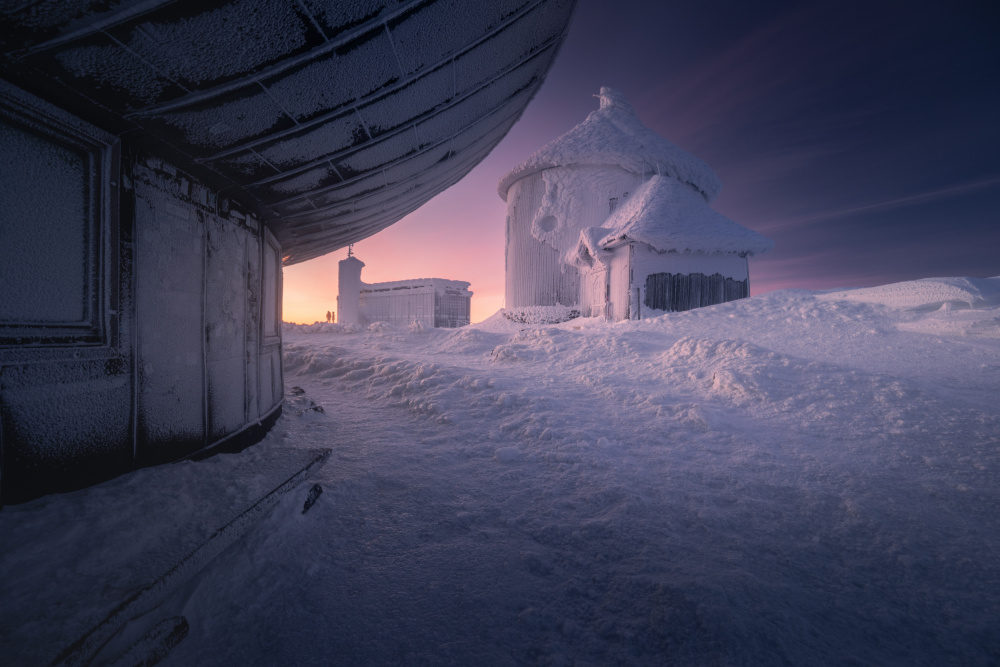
(614, 220)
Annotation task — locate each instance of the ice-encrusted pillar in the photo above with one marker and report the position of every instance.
(349, 292)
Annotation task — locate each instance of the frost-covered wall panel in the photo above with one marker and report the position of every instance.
(271, 307)
(208, 297)
(685, 291)
(682, 281)
(399, 308)
(271, 389)
(535, 274)
(55, 224)
(577, 197)
(646, 261)
(253, 327)
(45, 228)
(453, 309)
(265, 382)
(225, 326)
(270, 373)
(63, 421)
(170, 284)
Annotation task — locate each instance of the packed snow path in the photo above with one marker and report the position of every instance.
(795, 478)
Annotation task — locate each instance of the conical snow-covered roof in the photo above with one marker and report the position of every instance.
(671, 216)
(613, 135)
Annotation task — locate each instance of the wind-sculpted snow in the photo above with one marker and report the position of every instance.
(793, 478)
(320, 327)
(928, 294)
(536, 315)
(807, 395)
(929, 304)
(797, 477)
(709, 383)
(422, 388)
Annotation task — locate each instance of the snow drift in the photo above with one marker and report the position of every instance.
(797, 477)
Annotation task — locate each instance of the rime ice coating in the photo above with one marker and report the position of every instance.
(613, 135)
(670, 216)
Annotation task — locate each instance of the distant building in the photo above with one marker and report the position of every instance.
(613, 220)
(433, 302)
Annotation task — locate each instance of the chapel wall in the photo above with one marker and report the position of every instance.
(547, 211)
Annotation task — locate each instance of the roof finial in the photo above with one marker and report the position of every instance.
(349, 249)
(612, 97)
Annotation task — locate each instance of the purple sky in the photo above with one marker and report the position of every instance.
(863, 138)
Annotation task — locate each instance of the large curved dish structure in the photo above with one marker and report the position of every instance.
(334, 119)
(161, 159)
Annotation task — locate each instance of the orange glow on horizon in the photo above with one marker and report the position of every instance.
(457, 235)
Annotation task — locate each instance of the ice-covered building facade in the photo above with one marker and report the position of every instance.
(611, 219)
(161, 159)
(430, 302)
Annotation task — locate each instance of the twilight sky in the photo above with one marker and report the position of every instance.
(863, 138)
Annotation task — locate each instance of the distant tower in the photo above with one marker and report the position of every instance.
(350, 289)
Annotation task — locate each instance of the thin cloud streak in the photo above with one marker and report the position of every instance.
(901, 202)
(742, 77)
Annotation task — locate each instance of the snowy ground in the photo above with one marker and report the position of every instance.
(797, 478)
